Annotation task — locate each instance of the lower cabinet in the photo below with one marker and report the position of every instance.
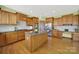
(75, 36)
(57, 33)
(11, 37)
(21, 35)
(2, 39)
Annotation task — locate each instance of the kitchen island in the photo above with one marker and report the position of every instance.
(35, 40)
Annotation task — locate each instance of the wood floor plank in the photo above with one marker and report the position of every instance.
(54, 45)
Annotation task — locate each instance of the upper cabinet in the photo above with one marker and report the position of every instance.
(35, 20)
(68, 19)
(4, 17)
(55, 21)
(58, 21)
(76, 20)
(7, 17)
(30, 21)
(49, 20)
(12, 18)
(21, 17)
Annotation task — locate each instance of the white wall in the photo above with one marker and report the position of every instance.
(62, 28)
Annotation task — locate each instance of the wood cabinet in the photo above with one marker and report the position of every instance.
(11, 37)
(12, 18)
(21, 35)
(49, 20)
(4, 17)
(75, 36)
(33, 42)
(57, 33)
(75, 20)
(30, 21)
(58, 21)
(35, 20)
(67, 19)
(21, 17)
(64, 19)
(2, 39)
(70, 19)
(55, 21)
(7, 17)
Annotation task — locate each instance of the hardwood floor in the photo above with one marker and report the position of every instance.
(54, 45)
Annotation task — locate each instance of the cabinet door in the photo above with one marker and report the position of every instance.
(75, 20)
(30, 21)
(28, 42)
(76, 36)
(49, 20)
(11, 37)
(4, 17)
(55, 21)
(69, 19)
(17, 16)
(2, 39)
(60, 21)
(64, 18)
(59, 34)
(21, 35)
(36, 21)
(42, 39)
(55, 33)
(12, 18)
(35, 42)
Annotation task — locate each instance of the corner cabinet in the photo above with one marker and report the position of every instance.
(7, 17)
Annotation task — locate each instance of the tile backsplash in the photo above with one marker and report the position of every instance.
(62, 28)
(4, 28)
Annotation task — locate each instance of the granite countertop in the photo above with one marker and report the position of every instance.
(33, 33)
(12, 30)
(66, 31)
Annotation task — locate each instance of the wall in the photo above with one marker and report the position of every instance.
(62, 28)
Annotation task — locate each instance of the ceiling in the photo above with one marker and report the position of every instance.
(43, 11)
